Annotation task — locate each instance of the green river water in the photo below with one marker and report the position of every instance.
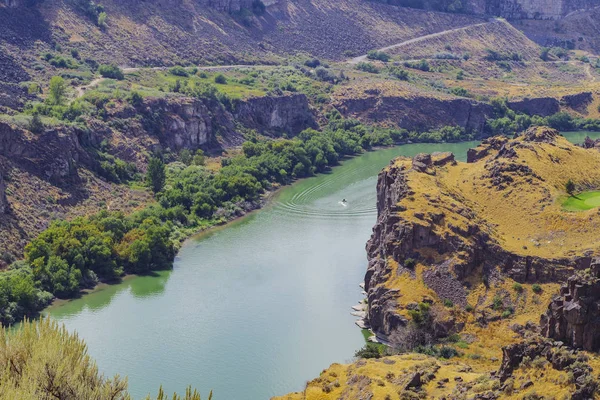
(254, 309)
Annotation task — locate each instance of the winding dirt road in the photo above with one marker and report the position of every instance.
(363, 58)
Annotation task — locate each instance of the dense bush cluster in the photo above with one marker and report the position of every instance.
(378, 55)
(72, 254)
(111, 71)
(508, 122)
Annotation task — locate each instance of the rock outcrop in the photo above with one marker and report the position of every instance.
(573, 317)
(428, 213)
(415, 112)
(228, 5)
(578, 102)
(289, 114)
(4, 206)
(559, 357)
(53, 155)
(188, 123)
(589, 143)
(543, 106)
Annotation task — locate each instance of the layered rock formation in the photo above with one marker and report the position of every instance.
(4, 207)
(276, 115)
(573, 317)
(543, 106)
(415, 111)
(53, 155)
(496, 214)
(188, 123)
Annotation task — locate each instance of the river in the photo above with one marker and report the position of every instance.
(253, 309)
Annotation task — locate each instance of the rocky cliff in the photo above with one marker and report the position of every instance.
(276, 115)
(454, 219)
(188, 123)
(573, 317)
(400, 106)
(52, 155)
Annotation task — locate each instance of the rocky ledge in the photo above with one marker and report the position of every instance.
(492, 215)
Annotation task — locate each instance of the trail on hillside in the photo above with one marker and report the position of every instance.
(362, 58)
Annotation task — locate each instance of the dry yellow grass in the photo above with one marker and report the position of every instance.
(525, 215)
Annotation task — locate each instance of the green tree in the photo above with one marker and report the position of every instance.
(102, 20)
(570, 187)
(35, 124)
(155, 177)
(199, 158)
(57, 91)
(220, 79)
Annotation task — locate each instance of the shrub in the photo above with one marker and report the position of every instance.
(312, 63)
(178, 71)
(410, 263)
(135, 98)
(220, 79)
(469, 308)
(370, 350)
(74, 53)
(536, 288)
(459, 91)
(398, 73)
(378, 55)
(199, 158)
(460, 75)
(448, 352)
(102, 20)
(422, 65)
(506, 313)
(367, 67)
(33, 88)
(497, 303)
(570, 187)
(517, 287)
(111, 71)
(35, 124)
(324, 74)
(258, 7)
(448, 303)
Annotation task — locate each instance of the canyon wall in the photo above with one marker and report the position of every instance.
(416, 112)
(446, 235)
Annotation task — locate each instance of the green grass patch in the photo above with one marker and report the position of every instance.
(582, 201)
